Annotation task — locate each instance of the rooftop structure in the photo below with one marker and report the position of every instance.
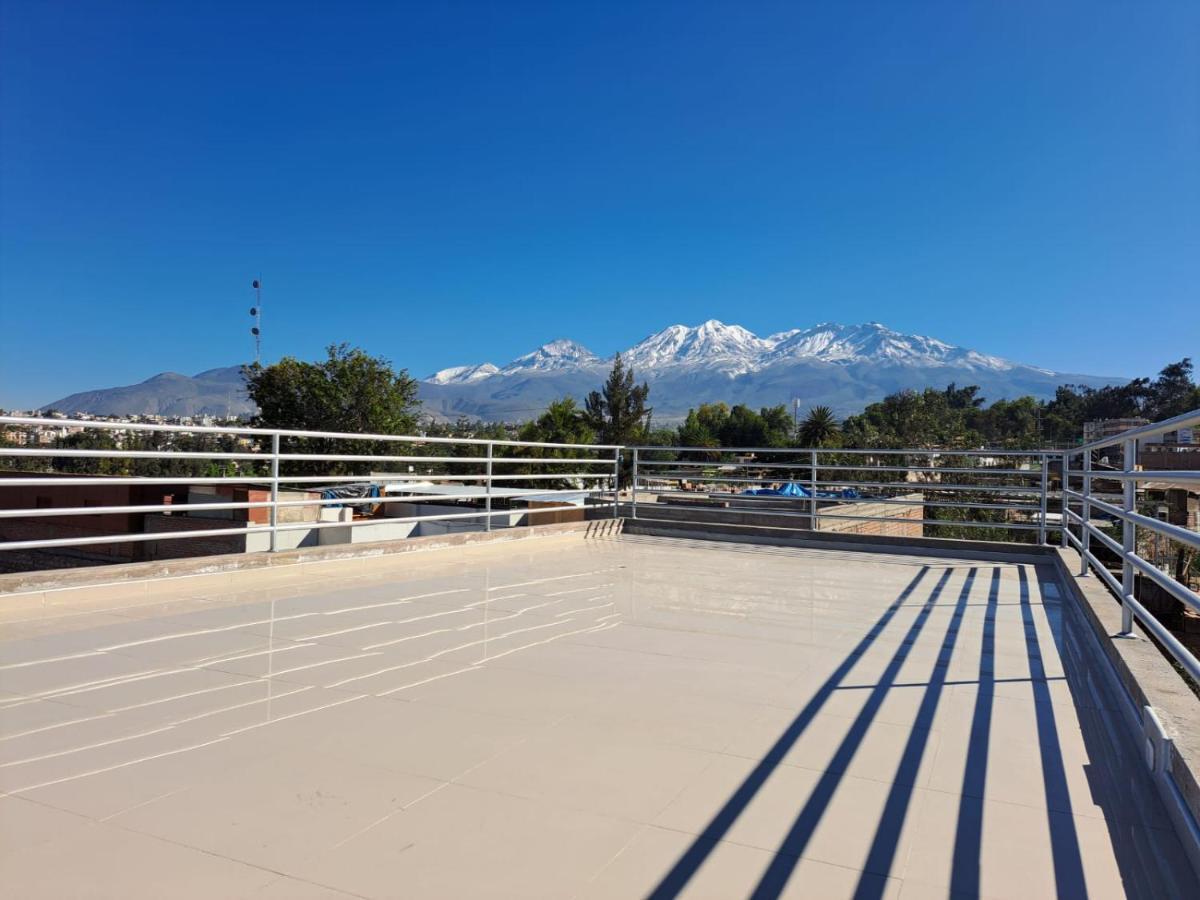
(624, 705)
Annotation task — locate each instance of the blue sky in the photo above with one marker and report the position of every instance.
(445, 183)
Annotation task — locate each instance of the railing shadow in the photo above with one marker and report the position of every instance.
(891, 822)
(1142, 878)
(677, 878)
(1148, 855)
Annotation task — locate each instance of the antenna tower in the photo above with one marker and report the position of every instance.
(256, 312)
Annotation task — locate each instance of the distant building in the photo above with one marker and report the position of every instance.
(1098, 429)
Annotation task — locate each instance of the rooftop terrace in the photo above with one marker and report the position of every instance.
(593, 671)
(575, 715)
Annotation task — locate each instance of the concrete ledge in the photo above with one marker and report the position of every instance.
(863, 543)
(22, 585)
(1148, 679)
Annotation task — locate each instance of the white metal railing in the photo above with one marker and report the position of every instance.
(1089, 501)
(841, 485)
(1005, 490)
(594, 475)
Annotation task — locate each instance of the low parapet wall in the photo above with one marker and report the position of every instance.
(869, 517)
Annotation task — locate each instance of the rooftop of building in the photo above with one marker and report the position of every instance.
(575, 715)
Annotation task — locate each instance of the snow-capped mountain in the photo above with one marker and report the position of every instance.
(843, 366)
(731, 348)
(463, 374)
(560, 354)
(874, 342)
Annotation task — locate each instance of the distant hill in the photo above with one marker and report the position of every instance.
(215, 392)
(845, 367)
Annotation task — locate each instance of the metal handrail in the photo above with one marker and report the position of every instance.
(1130, 476)
(596, 489)
(1144, 431)
(289, 432)
(814, 468)
(596, 469)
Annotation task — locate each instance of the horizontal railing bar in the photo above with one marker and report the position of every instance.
(1016, 507)
(1145, 475)
(903, 485)
(105, 480)
(267, 457)
(1175, 532)
(1166, 582)
(441, 517)
(1174, 646)
(1074, 540)
(184, 508)
(1159, 631)
(286, 432)
(117, 453)
(1183, 594)
(262, 529)
(647, 510)
(1020, 526)
(51, 511)
(827, 451)
(403, 478)
(109, 480)
(822, 467)
(1154, 428)
(477, 460)
(129, 538)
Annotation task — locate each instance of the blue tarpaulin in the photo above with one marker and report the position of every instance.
(791, 489)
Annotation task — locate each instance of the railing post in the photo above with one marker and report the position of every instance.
(1045, 493)
(487, 502)
(275, 493)
(633, 487)
(1085, 514)
(815, 523)
(1065, 482)
(1128, 535)
(616, 483)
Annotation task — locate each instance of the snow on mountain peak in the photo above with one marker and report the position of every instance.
(463, 374)
(729, 348)
(873, 342)
(734, 350)
(559, 354)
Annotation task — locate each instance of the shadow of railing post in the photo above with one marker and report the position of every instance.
(677, 878)
(787, 856)
(1064, 842)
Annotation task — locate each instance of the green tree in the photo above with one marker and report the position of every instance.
(820, 428)
(562, 423)
(1173, 393)
(618, 412)
(349, 391)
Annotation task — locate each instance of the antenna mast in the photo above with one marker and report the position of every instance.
(256, 312)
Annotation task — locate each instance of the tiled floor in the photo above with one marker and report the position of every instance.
(562, 718)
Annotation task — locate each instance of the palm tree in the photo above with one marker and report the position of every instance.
(820, 428)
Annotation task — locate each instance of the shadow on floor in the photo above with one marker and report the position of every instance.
(1144, 872)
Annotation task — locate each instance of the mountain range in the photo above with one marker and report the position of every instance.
(842, 366)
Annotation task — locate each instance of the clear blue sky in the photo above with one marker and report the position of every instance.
(445, 183)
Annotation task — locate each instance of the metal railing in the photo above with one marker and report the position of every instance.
(527, 469)
(1089, 502)
(844, 490)
(939, 493)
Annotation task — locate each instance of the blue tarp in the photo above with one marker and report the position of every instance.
(347, 492)
(791, 489)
